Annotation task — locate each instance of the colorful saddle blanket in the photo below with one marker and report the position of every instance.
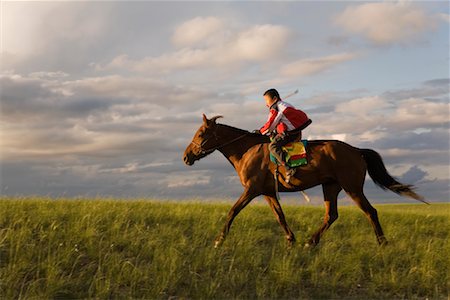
(295, 154)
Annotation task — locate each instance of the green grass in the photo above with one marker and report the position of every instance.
(147, 249)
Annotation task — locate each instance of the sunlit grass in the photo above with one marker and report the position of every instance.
(149, 249)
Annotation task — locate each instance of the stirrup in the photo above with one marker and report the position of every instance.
(289, 174)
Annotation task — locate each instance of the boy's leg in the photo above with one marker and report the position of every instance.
(275, 148)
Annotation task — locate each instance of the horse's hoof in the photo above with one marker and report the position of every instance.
(290, 241)
(382, 241)
(218, 243)
(309, 246)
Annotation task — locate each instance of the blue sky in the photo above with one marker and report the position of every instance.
(102, 98)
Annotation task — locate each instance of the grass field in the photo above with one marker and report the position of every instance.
(147, 249)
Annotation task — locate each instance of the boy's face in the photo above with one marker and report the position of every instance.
(269, 100)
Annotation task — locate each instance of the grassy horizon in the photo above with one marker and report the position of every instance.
(105, 248)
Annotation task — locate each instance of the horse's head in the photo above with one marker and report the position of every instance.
(204, 141)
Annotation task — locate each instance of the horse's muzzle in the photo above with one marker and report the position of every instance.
(188, 161)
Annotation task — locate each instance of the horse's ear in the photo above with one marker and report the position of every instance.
(205, 119)
(213, 119)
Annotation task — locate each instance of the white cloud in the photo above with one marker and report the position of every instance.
(420, 113)
(363, 106)
(312, 66)
(187, 179)
(386, 22)
(49, 75)
(255, 44)
(196, 30)
(374, 117)
(35, 28)
(259, 42)
(444, 17)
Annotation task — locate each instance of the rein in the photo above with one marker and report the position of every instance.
(203, 151)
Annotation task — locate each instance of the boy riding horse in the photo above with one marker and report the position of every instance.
(285, 123)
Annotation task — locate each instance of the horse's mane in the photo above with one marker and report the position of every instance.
(264, 138)
(235, 129)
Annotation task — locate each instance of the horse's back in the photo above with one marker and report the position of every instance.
(343, 160)
(338, 151)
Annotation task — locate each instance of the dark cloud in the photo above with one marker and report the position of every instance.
(30, 99)
(73, 106)
(23, 97)
(437, 139)
(431, 88)
(338, 40)
(413, 175)
(424, 157)
(442, 82)
(326, 109)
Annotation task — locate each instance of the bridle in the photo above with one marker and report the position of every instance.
(211, 150)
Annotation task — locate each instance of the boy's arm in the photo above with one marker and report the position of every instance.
(272, 121)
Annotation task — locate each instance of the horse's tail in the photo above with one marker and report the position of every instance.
(383, 179)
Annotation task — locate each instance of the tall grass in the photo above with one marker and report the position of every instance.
(147, 249)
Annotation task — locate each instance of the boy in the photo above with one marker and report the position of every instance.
(285, 122)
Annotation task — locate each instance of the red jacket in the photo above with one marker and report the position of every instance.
(283, 117)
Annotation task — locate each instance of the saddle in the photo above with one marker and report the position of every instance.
(295, 154)
(296, 150)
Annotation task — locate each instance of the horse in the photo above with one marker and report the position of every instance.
(333, 164)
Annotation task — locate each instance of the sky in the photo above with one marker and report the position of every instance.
(102, 98)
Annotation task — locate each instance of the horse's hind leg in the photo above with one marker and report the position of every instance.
(330, 192)
(278, 211)
(370, 212)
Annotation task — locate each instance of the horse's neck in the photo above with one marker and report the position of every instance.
(235, 150)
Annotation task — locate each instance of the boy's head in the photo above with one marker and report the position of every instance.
(271, 96)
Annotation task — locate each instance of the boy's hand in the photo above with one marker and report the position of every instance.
(256, 131)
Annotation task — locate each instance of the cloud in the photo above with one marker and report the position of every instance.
(112, 135)
(363, 106)
(413, 175)
(432, 88)
(420, 113)
(52, 34)
(102, 116)
(444, 17)
(28, 98)
(385, 23)
(311, 66)
(255, 44)
(436, 139)
(372, 118)
(196, 30)
(338, 40)
(120, 129)
(367, 121)
(184, 179)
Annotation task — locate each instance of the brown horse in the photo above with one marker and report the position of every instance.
(333, 164)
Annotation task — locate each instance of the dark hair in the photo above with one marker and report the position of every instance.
(272, 93)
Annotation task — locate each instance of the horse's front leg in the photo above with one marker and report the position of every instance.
(242, 202)
(278, 211)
